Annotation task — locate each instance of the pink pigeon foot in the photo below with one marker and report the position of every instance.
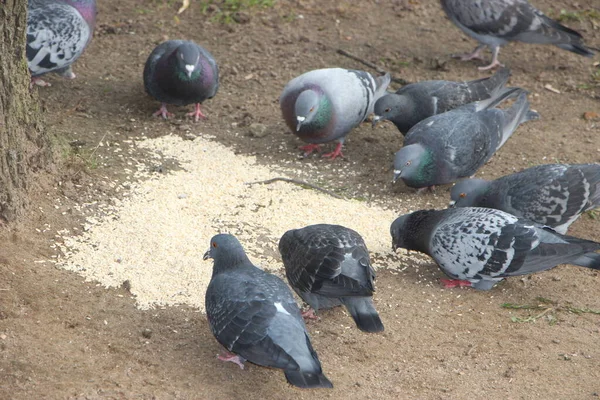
(309, 148)
(227, 356)
(197, 113)
(38, 82)
(162, 112)
(474, 55)
(495, 63)
(424, 189)
(309, 314)
(336, 153)
(452, 283)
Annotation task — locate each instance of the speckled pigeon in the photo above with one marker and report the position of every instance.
(324, 105)
(181, 72)
(479, 247)
(253, 314)
(494, 23)
(329, 265)
(417, 101)
(58, 31)
(453, 145)
(554, 195)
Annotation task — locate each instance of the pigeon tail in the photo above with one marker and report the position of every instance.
(580, 49)
(516, 115)
(493, 84)
(588, 260)
(364, 314)
(308, 380)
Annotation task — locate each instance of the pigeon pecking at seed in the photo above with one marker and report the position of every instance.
(58, 31)
(329, 265)
(418, 101)
(479, 247)
(324, 105)
(494, 23)
(453, 145)
(253, 314)
(180, 72)
(554, 195)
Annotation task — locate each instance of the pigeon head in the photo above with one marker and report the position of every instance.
(467, 192)
(187, 61)
(312, 110)
(226, 251)
(391, 107)
(413, 164)
(405, 231)
(87, 9)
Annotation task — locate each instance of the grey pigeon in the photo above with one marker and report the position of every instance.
(180, 72)
(329, 265)
(554, 195)
(494, 23)
(58, 31)
(253, 314)
(418, 101)
(479, 247)
(324, 105)
(453, 145)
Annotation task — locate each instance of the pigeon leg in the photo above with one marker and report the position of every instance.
(162, 112)
(197, 113)
(309, 314)
(39, 82)
(227, 356)
(495, 63)
(309, 148)
(424, 189)
(474, 55)
(452, 283)
(66, 72)
(336, 153)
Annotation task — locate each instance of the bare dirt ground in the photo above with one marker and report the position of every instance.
(63, 338)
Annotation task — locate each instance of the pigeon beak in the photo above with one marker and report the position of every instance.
(189, 68)
(397, 173)
(206, 255)
(451, 204)
(300, 120)
(375, 120)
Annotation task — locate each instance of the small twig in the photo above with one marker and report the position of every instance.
(297, 182)
(371, 65)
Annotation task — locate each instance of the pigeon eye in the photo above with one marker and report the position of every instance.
(311, 109)
(408, 163)
(387, 110)
(463, 195)
(214, 244)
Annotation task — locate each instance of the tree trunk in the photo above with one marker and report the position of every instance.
(24, 146)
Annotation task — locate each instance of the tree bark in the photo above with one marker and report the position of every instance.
(24, 146)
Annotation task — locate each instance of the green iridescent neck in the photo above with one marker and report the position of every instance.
(323, 115)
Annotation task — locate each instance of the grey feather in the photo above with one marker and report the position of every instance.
(324, 105)
(329, 265)
(418, 101)
(494, 23)
(484, 246)
(446, 147)
(253, 314)
(58, 31)
(554, 195)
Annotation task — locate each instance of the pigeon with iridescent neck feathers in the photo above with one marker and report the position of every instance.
(324, 105)
(253, 314)
(180, 72)
(58, 31)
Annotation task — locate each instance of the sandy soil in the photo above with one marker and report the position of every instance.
(64, 338)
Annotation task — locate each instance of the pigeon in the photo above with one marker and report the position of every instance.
(554, 195)
(58, 31)
(324, 105)
(417, 101)
(329, 265)
(479, 247)
(181, 72)
(494, 23)
(253, 314)
(443, 148)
